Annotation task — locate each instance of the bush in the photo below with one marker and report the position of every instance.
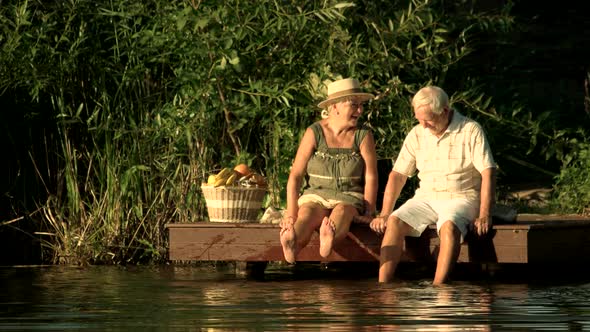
(571, 192)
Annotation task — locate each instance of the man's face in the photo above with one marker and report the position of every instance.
(436, 123)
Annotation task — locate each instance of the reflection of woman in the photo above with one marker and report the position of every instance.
(338, 161)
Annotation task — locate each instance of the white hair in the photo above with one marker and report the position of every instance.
(432, 96)
(326, 111)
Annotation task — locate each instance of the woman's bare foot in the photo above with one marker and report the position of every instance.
(287, 236)
(327, 232)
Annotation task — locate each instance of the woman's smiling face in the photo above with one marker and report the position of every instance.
(349, 110)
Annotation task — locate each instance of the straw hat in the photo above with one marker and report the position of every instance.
(348, 87)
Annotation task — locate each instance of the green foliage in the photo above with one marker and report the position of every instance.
(148, 98)
(571, 192)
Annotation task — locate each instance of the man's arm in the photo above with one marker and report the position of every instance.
(487, 200)
(395, 184)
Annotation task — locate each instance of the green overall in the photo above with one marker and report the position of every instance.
(337, 173)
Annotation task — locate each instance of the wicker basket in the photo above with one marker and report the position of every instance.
(233, 204)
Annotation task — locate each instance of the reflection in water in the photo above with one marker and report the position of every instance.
(207, 299)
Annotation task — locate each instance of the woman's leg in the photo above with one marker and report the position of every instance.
(335, 228)
(295, 236)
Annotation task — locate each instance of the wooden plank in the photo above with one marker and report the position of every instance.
(503, 245)
(564, 245)
(557, 239)
(260, 242)
(210, 243)
(545, 218)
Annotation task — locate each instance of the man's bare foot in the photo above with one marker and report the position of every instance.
(327, 232)
(287, 236)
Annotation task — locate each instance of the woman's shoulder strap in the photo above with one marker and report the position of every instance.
(359, 135)
(318, 133)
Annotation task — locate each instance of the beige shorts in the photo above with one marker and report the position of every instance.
(419, 213)
(317, 199)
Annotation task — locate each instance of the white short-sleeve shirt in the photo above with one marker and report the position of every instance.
(450, 166)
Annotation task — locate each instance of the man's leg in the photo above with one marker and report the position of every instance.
(450, 246)
(391, 247)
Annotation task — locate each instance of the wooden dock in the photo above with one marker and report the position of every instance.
(531, 239)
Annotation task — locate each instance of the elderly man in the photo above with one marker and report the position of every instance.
(456, 170)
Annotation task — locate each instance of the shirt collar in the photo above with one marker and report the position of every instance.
(454, 126)
(455, 122)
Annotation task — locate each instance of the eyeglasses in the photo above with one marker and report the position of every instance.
(355, 104)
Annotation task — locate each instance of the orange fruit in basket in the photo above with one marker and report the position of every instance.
(243, 169)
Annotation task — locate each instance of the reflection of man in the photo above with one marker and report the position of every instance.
(457, 184)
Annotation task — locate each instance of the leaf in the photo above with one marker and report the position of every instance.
(285, 100)
(228, 43)
(79, 109)
(222, 64)
(234, 61)
(344, 5)
(439, 40)
(181, 22)
(200, 24)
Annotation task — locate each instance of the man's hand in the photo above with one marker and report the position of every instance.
(481, 226)
(286, 221)
(378, 224)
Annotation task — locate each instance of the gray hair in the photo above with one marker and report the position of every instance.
(326, 111)
(432, 96)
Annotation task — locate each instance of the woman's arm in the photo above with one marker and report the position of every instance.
(371, 178)
(306, 148)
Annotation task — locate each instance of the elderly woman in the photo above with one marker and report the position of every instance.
(338, 160)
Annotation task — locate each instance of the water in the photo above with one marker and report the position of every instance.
(184, 298)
